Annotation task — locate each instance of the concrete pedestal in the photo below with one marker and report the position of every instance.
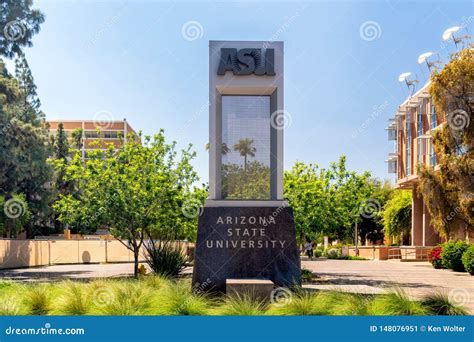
(246, 243)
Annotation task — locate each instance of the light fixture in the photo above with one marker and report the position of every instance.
(424, 58)
(449, 33)
(409, 81)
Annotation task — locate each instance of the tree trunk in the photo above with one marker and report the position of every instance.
(136, 251)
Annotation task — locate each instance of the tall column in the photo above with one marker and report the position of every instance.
(430, 236)
(416, 220)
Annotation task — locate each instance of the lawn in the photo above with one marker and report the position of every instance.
(154, 295)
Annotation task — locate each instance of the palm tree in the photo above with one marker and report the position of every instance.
(245, 148)
(224, 148)
(77, 137)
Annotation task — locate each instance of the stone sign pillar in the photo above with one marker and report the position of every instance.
(246, 230)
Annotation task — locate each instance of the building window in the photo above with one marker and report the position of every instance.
(433, 117)
(408, 142)
(432, 155)
(91, 134)
(245, 149)
(420, 120)
(110, 134)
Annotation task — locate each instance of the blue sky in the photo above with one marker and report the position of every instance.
(131, 59)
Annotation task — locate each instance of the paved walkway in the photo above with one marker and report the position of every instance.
(417, 278)
(77, 272)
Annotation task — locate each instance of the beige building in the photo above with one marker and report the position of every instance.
(110, 132)
(410, 131)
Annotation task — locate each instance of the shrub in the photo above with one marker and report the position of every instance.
(434, 256)
(302, 303)
(395, 303)
(439, 304)
(306, 275)
(241, 305)
(165, 258)
(123, 298)
(38, 300)
(333, 253)
(468, 259)
(318, 252)
(9, 307)
(178, 299)
(75, 301)
(341, 303)
(452, 253)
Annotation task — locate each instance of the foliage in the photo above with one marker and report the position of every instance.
(326, 201)
(245, 148)
(438, 304)
(434, 256)
(19, 23)
(75, 301)
(165, 258)
(300, 303)
(451, 255)
(468, 259)
(18, 214)
(153, 295)
(306, 275)
(251, 181)
(449, 192)
(241, 305)
(396, 214)
(178, 299)
(142, 190)
(333, 253)
(24, 144)
(38, 300)
(127, 299)
(394, 303)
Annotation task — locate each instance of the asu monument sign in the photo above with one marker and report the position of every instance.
(246, 230)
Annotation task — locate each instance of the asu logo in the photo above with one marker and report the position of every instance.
(247, 62)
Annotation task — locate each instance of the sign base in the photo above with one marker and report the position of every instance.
(245, 243)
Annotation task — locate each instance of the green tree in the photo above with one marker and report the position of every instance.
(325, 201)
(76, 136)
(449, 191)
(370, 227)
(143, 190)
(24, 145)
(18, 23)
(14, 214)
(396, 215)
(245, 148)
(224, 148)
